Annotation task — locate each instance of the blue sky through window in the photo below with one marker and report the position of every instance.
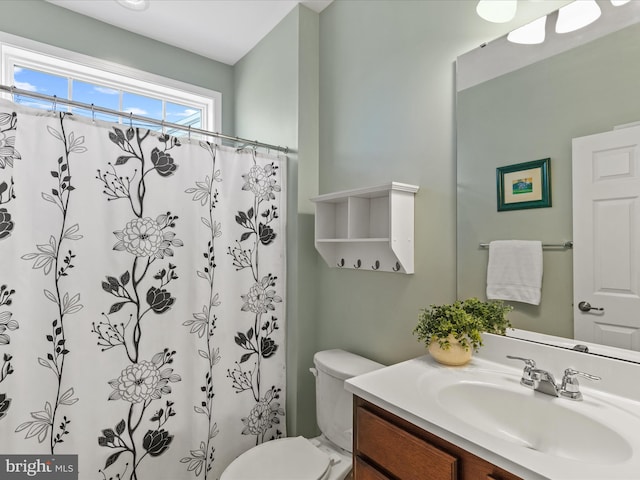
(103, 96)
(182, 114)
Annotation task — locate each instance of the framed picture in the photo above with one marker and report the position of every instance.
(524, 185)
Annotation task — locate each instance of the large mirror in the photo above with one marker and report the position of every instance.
(518, 103)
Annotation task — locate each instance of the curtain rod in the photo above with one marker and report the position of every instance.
(94, 108)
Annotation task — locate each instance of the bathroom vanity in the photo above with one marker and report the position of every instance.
(388, 447)
(420, 419)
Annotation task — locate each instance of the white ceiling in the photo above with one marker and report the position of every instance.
(223, 30)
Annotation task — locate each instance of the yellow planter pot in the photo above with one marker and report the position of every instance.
(455, 355)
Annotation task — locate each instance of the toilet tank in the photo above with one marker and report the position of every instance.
(334, 405)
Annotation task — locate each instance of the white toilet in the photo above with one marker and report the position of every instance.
(327, 457)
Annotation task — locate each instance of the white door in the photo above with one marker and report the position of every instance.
(606, 231)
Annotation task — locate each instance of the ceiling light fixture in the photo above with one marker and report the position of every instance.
(577, 15)
(530, 34)
(617, 3)
(497, 11)
(138, 5)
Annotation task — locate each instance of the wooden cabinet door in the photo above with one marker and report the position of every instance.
(400, 453)
(388, 447)
(364, 471)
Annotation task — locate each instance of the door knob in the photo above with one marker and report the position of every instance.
(586, 307)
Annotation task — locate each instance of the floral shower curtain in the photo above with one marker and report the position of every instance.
(141, 297)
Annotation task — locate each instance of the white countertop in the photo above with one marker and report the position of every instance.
(406, 390)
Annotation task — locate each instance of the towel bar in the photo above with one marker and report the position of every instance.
(567, 244)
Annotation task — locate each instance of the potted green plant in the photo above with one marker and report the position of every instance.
(453, 331)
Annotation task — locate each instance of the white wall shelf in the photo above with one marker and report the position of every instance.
(367, 228)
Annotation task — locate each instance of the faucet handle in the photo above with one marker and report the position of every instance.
(527, 376)
(570, 372)
(529, 362)
(570, 387)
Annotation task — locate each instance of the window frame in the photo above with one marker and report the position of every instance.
(35, 55)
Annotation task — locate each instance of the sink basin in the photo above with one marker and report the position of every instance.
(535, 421)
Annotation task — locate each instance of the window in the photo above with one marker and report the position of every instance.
(52, 71)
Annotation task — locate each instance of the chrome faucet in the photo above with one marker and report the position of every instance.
(544, 382)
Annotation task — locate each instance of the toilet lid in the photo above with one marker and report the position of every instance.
(293, 458)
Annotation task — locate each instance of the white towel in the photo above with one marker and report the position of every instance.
(514, 271)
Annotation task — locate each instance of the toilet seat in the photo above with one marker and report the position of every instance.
(292, 458)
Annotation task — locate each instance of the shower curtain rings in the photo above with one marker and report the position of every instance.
(70, 105)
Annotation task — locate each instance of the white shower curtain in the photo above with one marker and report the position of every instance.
(141, 297)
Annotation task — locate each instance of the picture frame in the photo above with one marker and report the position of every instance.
(524, 185)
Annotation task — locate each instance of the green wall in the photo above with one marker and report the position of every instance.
(387, 103)
(530, 114)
